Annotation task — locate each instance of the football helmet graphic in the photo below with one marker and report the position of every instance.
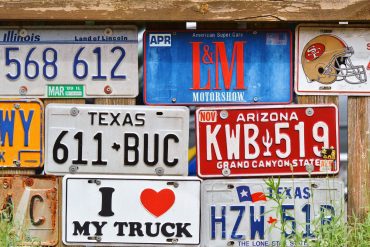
(326, 58)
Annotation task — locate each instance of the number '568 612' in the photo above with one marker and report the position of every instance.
(47, 66)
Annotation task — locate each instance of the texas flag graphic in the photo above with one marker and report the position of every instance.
(245, 195)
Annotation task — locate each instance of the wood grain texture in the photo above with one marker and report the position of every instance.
(115, 101)
(318, 100)
(358, 156)
(184, 10)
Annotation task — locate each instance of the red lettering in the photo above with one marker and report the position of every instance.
(227, 72)
(196, 69)
(237, 62)
(207, 116)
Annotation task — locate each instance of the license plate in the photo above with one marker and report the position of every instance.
(332, 60)
(116, 139)
(30, 204)
(69, 62)
(217, 67)
(265, 141)
(131, 210)
(21, 133)
(237, 212)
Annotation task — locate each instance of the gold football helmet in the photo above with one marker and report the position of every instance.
(326, 58)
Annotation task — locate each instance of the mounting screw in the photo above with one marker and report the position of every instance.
(309, 168)
(254, 32)
(224, 114)
(23, 90)
(159, 171)
(28, 182)
(174, 184)
(230, 243)
(107, 90)
(22, 33)
(73, 169)
(5, 184)
(226, 172)
(309, 112)
(74, 111)
(255, 99)
(173, 100)
(17, 163)
(108, 32)
(17, 106)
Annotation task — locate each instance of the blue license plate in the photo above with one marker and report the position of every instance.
(218, 67)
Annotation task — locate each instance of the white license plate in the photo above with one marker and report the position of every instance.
(69, 62)
(116, 139)
(239, 212)
(122, 210)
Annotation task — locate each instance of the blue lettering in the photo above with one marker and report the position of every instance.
(257, 225)
(153, 40)
(306, 192)
(287, 217)
(26, 125)
(215, 220)
(241, 210)
(324, 218)
(6, 127)
(298, 193)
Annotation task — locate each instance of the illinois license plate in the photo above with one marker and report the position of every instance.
(332, 60)
(127, 211)
(217, 67)
(116, 139)
(237, 212)
(30, 205)
(21, 133)
(69, 62)
(265, 141)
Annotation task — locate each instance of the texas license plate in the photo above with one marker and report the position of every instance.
(196, 67)
(332, 60)
(69, 62)
(237, 212)
(29, 205)
(116, 139)
(130, 211)
(21, 133)
(265, 141)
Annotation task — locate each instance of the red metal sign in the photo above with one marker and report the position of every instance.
(267, 140)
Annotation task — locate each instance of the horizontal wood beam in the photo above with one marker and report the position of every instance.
(186, 10)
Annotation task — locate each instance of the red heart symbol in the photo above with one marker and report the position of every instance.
(157, 203)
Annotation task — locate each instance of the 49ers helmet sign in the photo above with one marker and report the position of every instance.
(273, 140)
(332, 60)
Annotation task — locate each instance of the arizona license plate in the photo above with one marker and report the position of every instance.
(237, 212)
(116, 139)
(21, 133)
(332, 60)
(127, 211)
(217, 67)
(30, 206)
(69, 62)
(265, 141)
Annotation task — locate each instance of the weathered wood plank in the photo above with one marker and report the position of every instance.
(183, 10)
(358, 156)
(318, 100)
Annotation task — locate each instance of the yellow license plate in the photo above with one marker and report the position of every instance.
(21, 133)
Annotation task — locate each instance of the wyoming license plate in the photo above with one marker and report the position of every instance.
(21, 133)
